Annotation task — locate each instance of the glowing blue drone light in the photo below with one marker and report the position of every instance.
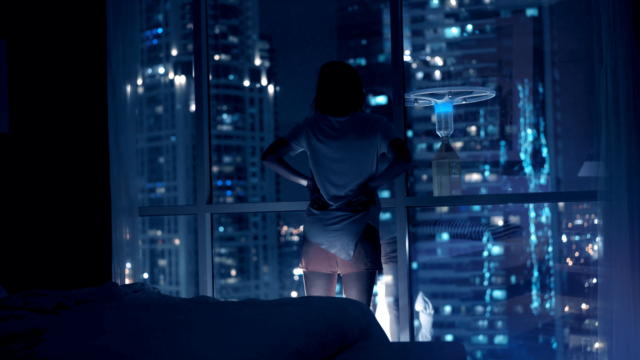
(443, 100)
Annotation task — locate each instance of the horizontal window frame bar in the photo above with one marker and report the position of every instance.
(416, 201)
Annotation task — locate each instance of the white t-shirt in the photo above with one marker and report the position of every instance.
(343, 154)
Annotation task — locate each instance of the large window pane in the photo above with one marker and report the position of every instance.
(256, 255)
(167, 256)
(264, 57)
(509, 281)
(538, 133)
(163, 95)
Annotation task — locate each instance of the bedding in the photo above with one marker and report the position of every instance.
(137, 321)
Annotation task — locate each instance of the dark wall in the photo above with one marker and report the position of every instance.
(55, 206)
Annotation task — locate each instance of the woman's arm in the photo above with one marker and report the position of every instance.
(365, 195)
(272, 158)
(398, 151)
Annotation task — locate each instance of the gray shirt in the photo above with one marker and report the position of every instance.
(343, 154)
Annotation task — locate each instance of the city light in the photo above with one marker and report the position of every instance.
(294, 294)
(171, 75)
(246, 83)
(264, 81)
(161, 70)
(564, 238)
(258, 62)
(377, 100)
(452, 32)
(126, 271)
(216, 57)
(437, 61)
(174, 52)
(139, 82)
(297, 271)
(469, 27)
(176, 241)
(128, 265)
(145, 275)
(270, 88)
(437, 75)
(221, 228)
(233, 272)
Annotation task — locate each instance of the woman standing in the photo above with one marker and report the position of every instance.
(342, 221)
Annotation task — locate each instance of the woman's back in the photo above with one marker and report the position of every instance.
(343, 152)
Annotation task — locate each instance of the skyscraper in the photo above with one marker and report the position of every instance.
(165, 135)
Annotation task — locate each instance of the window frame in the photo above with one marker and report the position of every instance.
(203, 209)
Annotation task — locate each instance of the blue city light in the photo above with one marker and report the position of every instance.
(155, 41)
(160, 30)
(409, 133)
(221, 228)
(414, 265)
(501, 339)
(228, 182)
(452, 32)
(531, 12)
(241, 193)
(228, 192)
(469, 28)
(499, 294)
(378, 100)
(219, 182)
(173, 138)
(384, 216)
(148, 32)
(154, 31)
(384, 194)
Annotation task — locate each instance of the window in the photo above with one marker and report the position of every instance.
(510, 262)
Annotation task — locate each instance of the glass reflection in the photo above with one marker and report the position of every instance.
(508, 281)
(167, 255)
(522, 140)
(164, 100)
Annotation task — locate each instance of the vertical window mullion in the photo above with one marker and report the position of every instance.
(203, 183)
(397, 63)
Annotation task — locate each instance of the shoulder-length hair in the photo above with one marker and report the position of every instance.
(339, 91)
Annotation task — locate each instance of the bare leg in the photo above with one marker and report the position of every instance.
(319, 283)
(359, 285)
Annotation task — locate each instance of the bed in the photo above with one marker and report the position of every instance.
(137, 321)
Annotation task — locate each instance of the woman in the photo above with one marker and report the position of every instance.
(342, 221)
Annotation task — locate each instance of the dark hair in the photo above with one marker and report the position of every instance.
(339, 91)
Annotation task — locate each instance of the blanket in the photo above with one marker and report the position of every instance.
(137, 321)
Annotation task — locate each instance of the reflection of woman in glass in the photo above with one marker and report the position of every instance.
(342, 221)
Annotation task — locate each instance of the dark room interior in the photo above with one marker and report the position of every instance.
(152, 152)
